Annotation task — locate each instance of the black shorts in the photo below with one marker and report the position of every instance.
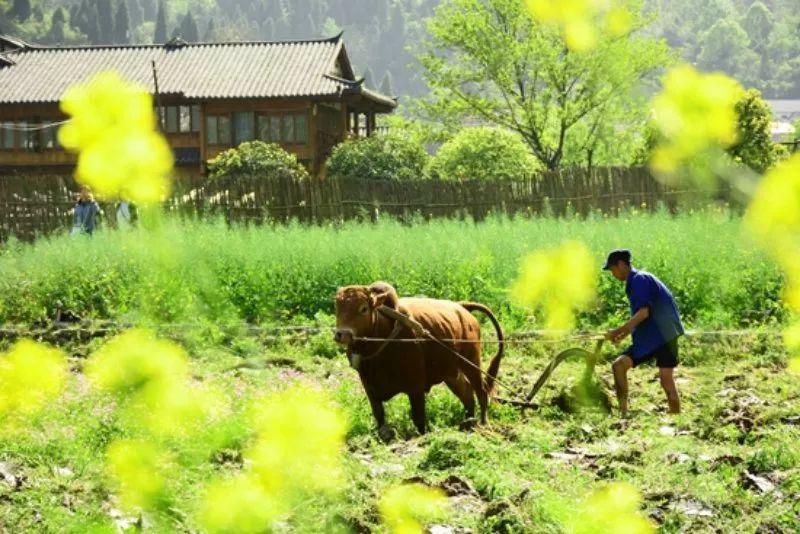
(666, 355)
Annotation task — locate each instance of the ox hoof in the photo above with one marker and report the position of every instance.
(468, 424)
(386, 433)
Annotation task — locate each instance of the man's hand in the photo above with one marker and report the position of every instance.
(618, 334)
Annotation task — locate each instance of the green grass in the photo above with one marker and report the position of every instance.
(274, 274)
(529, 470)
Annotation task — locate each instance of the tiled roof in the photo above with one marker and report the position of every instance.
(287, 69)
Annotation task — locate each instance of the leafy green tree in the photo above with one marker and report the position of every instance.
(21, 10)
(488, 58)
(160, 35)
(482, 153)
(106, 21)
(387, 87)
(211, 32)
(726, 47)
(755, 147)
(390, 156)
(122, 31)
(256, 159)
(188, 29)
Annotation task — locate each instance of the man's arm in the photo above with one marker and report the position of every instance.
(618, 334)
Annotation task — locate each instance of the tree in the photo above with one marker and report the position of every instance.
(21, 10)
(369, 79)
(160, 35)
(135, 13)
(379, 157)
(188, 29)
(754, 147)
(482, 153)
(211, 32)
(106, 21)
(726, 47)
(149, 9)
(92, 24)
(387, 87)
(489, 59)
(122, 32)
(58, 24)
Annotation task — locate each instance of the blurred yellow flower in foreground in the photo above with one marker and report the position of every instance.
(31, 375)
(296, 455)
(774, 212)
(558, 281)
(137, 468)
(582, 21)
(407, 508)
(240, 505)
(112, 127)
(614, 508)
(151, 378)
(695, 112)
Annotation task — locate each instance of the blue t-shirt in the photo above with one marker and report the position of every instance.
(664, 323)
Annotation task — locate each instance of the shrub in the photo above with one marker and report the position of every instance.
(483, 153)
(256, 158)
(390, 156)
(755, 147)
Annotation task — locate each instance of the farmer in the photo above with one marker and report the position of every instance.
(655, 325)
(85, 212)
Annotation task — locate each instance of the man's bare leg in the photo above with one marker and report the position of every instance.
(620, 367)
(668, 383)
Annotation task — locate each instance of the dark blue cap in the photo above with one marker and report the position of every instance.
(617, 255)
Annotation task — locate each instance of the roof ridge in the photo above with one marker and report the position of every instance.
(30, 46)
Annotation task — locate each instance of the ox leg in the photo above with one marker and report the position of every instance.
(476, 380)
(377, 411)
(417, 401)
(463, 390)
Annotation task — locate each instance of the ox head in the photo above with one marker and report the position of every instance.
(356, 308)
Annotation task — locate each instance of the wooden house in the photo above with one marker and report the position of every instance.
(211, 96)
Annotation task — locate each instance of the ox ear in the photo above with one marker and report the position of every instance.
(383, 294)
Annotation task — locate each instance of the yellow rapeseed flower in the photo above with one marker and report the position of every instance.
(614, 508)
(112, 128)
(151, 377)
(300, 439)
(557, 281)
(407, 508)
(31, 375)
(582, 21)
(696, 115)
(296, 454)
(774, 212)
(239, 505)
(137, 467)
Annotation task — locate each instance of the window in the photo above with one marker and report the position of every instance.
(288, 129)
(263, 128)
(275, 129)
(172, 119)
(243, 125)
(224, 130)
(48, 134)
(301, 129)
(7, 135)
(195, 118)
(211, 130)
(185, 116)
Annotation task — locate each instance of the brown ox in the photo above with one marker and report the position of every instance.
(387, 369)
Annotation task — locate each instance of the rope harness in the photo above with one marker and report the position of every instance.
(422, 335)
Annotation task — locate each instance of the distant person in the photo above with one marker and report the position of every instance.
(125, 214)
(655, 325)
(85, 213)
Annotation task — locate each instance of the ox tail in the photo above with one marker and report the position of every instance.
(494, 365)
